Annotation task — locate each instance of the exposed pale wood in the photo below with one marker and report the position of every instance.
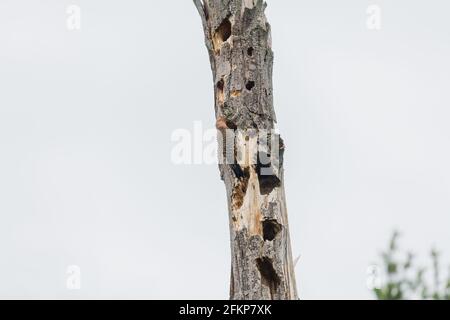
(238, 40)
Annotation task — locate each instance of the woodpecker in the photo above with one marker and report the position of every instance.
(223, 124)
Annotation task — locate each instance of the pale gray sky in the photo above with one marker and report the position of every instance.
(86, 119)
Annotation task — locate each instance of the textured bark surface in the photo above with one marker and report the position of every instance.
(238, 40)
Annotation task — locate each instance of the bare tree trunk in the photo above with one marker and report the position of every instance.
(239, 45)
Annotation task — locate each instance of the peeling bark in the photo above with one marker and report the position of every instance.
(238, 40)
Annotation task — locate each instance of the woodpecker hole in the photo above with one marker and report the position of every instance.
(268, 181)
(269, 276)
(222, 34)
(271, 228)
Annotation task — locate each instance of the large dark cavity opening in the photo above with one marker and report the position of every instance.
(269, 276)
(223, 33)
(271, 228)
(266, 177)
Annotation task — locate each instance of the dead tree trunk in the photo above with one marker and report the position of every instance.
(238, 40)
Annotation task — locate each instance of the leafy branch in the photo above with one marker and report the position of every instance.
(403, 280)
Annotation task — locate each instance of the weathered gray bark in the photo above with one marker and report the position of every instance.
(238, 40)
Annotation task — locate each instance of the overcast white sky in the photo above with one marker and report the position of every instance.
(86, 118)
